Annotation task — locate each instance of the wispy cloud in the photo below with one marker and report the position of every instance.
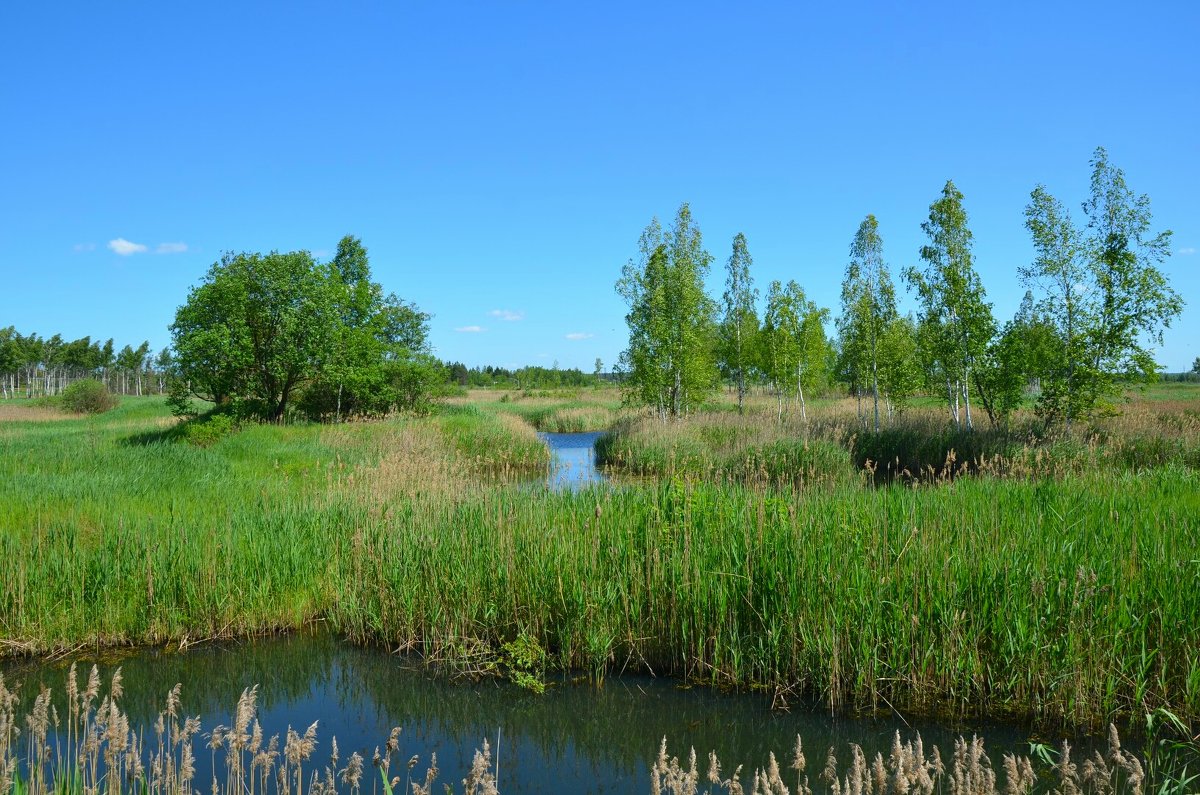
(125, 248)
(580, 335)
(507, 314)
(170, 248)
(81, 247)
(1188, 250)
(470, 329)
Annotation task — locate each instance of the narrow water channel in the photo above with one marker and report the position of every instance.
(573, 460)
(575, 738)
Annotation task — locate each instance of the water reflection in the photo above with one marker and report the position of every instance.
(573, 460)
(575, 738)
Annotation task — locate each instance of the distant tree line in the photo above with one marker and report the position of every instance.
(530, 377)
(35, 366)
(1095, 305)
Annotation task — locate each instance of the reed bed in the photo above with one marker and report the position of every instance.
(493, 442)
(91, 746)
(1064, 601)
(834, 444)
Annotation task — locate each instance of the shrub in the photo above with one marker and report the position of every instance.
(88, 396)
(207, 431)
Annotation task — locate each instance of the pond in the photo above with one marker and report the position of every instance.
(576, 737)
(573, 460)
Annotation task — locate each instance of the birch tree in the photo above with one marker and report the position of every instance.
(794, 348)
(670, 363)
(956, 321)
(1101, 289)
(739, 324)
(868, 309)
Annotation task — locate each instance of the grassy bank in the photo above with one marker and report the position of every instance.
(1073, 599)
(834, 444)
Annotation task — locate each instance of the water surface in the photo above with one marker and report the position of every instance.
(576, 738)
(573, 460)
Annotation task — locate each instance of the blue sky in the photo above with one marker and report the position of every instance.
(499, 160)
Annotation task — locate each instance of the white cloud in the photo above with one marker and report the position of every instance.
(580, 335)
(470, 329)
(1188, 250)
(81, 247)
(125, 248)
(507, 314)
(171, 248)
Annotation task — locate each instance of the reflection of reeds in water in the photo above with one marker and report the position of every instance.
(94, 750)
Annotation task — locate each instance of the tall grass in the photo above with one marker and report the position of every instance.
(917, 446)
(1072, 600)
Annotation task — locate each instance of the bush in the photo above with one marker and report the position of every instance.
(207, 431)
(88, 396)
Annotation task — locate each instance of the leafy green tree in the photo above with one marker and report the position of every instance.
(670, 362)
(794, 348)
(1102, 291)
(868, 310)
(258, 328)
(377, 361)
(956, 322)
(899, 370)
(1196, 366)
(1013, 360)
(739, 324)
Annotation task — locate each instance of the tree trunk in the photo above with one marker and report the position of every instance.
(875, 389)
(966, 393)
(800, 392)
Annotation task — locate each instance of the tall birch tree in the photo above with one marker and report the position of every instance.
(868, 309)
(956, 320)
(739, 324)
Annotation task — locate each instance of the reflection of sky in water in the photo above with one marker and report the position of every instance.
(573, 460)
(575, 738)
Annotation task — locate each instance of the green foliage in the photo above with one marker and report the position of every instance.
(739, 323)
(208, 430)
(899, 370)
(868, 312)
(88, 396)
(794, 350)
(1101, 290)
(261, 330)
(670, 364)
(524, 662)
(956, 324)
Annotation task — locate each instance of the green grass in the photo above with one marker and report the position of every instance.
(1071, 599)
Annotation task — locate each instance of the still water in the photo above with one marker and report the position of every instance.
(575, 738)
(572, 460)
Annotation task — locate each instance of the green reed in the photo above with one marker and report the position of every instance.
(1074, 599)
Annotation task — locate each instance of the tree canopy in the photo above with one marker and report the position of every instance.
(261, 329)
